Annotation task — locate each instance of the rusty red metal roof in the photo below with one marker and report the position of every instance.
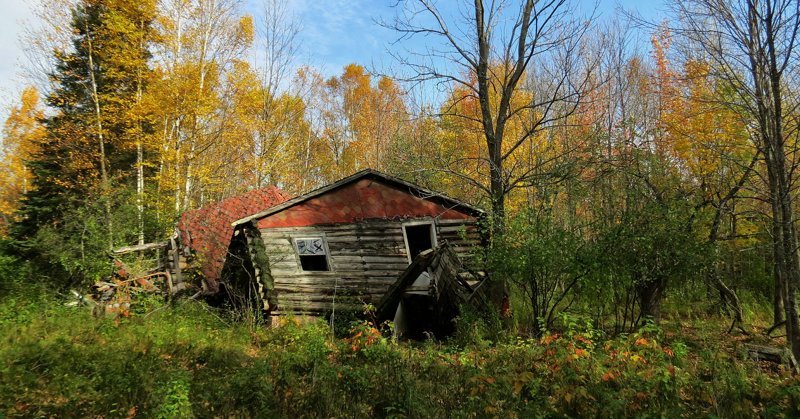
(362, 199)
(361, 196)
(207, 231)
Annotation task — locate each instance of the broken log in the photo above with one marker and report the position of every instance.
(140, 248)
(781, 356)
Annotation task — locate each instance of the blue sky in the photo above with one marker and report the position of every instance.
(334, 33)
(339, 32)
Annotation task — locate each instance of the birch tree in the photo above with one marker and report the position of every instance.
(752, 46)
(200, 40)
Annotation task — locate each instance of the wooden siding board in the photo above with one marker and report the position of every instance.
(366, 257)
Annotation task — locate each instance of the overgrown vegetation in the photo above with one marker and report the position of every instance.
(168, 361)
(642, 224)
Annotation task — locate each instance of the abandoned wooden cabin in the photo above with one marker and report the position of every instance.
(342, 245)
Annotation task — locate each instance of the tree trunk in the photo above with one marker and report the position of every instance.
(105, 185)
(730, 301)
(498, 196)
(139, 149)
(778, 295)
(649, 294)
(768, 101)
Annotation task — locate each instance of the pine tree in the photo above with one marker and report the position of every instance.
(93, 147)
(94, 135)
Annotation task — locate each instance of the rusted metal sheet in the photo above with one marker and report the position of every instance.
(207, 231)
(361, 200)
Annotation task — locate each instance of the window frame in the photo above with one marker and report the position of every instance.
(297, 254)
(434, 234)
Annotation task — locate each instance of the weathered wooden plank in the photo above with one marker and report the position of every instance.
(141, 248)
(385, 259)
(365, 239)
(386, 252)
(343, 282)
(271, 250)
(280, 243)
(366, 258)
(448, 221)
(350, 273)
(347, 258)
(301, 292)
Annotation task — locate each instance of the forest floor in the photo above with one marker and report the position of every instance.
(185, 359)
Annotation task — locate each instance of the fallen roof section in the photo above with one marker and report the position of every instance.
(446, 293)
(207, 231)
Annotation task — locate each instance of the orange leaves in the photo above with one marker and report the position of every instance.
(548, 339)
(357, 121)
(665, 76)
(701, 134)
(581, 353)
(364, 336)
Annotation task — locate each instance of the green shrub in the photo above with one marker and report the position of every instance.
(187, 360)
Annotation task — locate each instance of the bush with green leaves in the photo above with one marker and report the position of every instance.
(74, 252)
(653, 247)
(544, 262)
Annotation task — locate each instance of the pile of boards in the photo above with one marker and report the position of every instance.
(428, 296)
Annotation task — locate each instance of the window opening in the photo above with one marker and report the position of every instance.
(313, 254)
(419, 238)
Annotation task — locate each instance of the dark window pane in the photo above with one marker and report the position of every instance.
(314, 263)
(419, 239)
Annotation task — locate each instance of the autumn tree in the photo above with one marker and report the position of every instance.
(269, 135)
(356, 118)
(751, 45)
(89, 149)
(22, 133)
(273, 115)
(487, 56)
(709, 146)
(199, 43)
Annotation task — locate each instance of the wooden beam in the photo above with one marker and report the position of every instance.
(140, 248)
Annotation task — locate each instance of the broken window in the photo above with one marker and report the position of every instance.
(419, 237)
(313, 254)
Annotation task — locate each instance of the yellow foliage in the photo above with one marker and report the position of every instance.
(22, 133)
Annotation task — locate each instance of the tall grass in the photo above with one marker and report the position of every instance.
(186, 360)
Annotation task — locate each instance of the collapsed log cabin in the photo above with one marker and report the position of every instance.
(194, 256)
(343, 245)
(203, 236)
(427, 297)
(362, 240)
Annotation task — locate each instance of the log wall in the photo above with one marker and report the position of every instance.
(365, 259)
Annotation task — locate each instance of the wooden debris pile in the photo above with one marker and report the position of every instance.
(779, 356)
(428, 296)
(114, 294)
